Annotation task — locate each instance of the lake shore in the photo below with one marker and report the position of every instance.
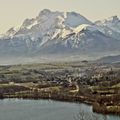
(96, 106)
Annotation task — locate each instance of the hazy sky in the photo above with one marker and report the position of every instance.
(13, 12)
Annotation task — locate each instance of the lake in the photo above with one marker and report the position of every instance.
(16, 109)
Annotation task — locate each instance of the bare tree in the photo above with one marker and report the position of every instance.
(82, 115)
(104, 117)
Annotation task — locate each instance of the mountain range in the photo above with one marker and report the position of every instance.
(62, 34)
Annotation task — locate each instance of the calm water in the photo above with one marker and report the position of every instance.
(14, 109)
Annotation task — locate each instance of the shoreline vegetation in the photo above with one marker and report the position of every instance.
(97, 107)
(81, 82)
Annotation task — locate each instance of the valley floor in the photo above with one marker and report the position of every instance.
(91, 83)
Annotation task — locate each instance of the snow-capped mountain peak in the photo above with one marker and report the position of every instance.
(45, 12)
(50, 23)
(11, 32)
(74, 19)
(110, 26)
(28, 23)
(61, 32)
(113, 19)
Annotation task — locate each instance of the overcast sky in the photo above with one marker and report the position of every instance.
(13, 12)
